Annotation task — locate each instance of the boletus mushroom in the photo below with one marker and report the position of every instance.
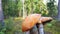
(33, 20)
(30, 21)
(41, 22)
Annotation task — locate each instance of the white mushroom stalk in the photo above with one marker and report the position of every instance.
(40, 27)
(28, 32)
(41, 30)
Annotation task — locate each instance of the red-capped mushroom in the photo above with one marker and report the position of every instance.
(42, 21)
(33, 19)
(30, 21)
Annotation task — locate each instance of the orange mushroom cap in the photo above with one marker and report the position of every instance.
(44, 19)
(30, 21)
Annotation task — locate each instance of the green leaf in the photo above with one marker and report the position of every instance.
(35, 0)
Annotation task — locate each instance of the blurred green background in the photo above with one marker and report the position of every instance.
(15, 10)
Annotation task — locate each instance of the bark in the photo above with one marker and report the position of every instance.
(20, 13)
(1, 15)
(24, 12)
(59, 10)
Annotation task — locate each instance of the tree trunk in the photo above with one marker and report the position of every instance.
(24, 12)
(20, 13)
(1, 15)
(59, 10)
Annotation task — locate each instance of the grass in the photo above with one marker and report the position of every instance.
(54, 28)
(13, 25)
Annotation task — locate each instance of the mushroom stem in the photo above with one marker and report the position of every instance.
(34, 30)
(28, 32)
(40, 29)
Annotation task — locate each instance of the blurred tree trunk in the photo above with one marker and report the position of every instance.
(59, 10)
(20, 13)
(1, 15)
(1, 12)
(32, 9)
(24, 12)
(19, 7)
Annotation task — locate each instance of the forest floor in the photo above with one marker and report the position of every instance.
(13, 26)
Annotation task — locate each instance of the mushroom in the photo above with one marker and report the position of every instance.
(30, 22)
(45, 20)
(41, 22)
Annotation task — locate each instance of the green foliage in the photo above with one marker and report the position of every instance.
(14, 8)
(12, 25)
(52, 8)
(11, 8)
(53, 27)
(2, 28)
(1, 33)
(36, 6)
(9, 24)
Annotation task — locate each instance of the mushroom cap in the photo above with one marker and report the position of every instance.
(44, 20)
(30, 21)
